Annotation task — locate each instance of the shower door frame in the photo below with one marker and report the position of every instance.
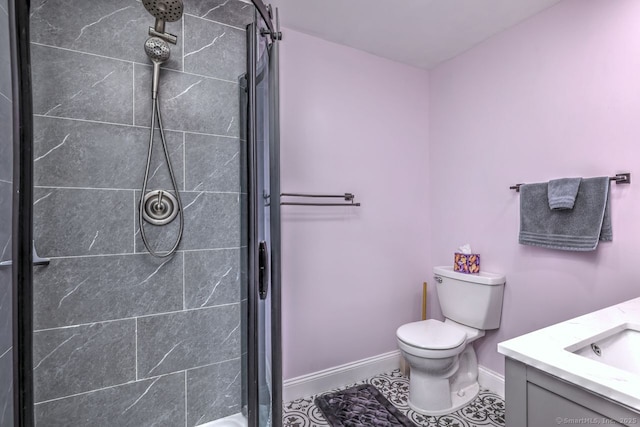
(22, 274)
(22, 226)
(255, 192)
(276, 241)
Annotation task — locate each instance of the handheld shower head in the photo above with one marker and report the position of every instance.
(158, 52)
(157, 49)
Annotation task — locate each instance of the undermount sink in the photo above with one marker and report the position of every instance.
(616, 347)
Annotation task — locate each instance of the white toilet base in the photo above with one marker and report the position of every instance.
(458, 400)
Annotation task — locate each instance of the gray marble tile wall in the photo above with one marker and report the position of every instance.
(6, 191)
(122, 338)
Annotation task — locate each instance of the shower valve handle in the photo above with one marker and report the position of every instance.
(159, 202)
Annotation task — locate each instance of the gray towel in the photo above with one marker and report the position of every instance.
(562, 192)
(578, 229)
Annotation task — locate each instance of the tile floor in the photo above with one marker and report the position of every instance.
(486, 410)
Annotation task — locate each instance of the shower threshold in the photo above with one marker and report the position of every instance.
(236, 420)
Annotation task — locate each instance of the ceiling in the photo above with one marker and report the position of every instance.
(422, 33)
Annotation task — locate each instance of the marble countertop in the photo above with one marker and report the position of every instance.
(546, 350)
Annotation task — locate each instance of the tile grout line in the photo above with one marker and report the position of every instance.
(187, 73)
(183, 37)
(79, 51)
(186, 401)
(134, 221)
(137, 349)
(184, 161)
(56, 187)
(135, 381)
(139, 317)
(6, 97)
(184, 300)
(64, 257)
(133, 94)
(135, 126)
(134, 62)
(216, 22)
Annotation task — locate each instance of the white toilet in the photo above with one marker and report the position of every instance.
(444, 368)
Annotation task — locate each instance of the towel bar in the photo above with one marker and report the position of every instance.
(348, 197)
(620, 178)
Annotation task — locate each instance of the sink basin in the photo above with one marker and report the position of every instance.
(617, 347)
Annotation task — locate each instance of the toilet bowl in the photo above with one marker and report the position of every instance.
(444, 367)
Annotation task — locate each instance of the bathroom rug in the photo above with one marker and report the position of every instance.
(360, 406)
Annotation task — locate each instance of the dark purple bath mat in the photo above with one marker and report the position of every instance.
(360, 406)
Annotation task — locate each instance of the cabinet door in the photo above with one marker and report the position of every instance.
(545, 409)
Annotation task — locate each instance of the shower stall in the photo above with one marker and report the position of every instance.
(130, 129)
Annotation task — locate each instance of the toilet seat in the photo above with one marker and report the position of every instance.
(431, 335)
(441, 355)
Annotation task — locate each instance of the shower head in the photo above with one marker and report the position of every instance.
(157, 50)
(164, 10)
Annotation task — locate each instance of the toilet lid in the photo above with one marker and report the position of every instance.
(431, 334)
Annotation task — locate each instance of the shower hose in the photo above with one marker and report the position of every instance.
(155, 111)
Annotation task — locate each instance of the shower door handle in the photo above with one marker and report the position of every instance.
(263, 270)
(37, 260)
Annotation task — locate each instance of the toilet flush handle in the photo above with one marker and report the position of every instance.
(437, 279)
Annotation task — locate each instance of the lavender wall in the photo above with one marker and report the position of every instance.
(352, 122)
(555, 96)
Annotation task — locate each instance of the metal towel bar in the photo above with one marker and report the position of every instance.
(620, 178)
(348, 197)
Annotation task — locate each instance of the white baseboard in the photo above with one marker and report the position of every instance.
(491, 380)
(349, 373)
(339, 376)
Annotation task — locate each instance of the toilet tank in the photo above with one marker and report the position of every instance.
(474, 300)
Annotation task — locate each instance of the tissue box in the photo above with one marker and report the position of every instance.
(466, 263)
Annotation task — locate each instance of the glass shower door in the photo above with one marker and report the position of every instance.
(263, 238)
(6, 209)
(264, 355)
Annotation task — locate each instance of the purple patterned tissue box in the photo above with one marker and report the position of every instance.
(466, 263)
